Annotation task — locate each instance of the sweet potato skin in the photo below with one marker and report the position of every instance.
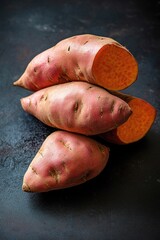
(137, 126)
(64, 160)
(79, 58)
(77, 107)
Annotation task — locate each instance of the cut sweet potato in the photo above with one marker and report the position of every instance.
(95, 59)
(137, 125)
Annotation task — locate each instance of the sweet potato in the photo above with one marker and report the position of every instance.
(77, 107)
(99, 60)
(137, 126)
(65, 160)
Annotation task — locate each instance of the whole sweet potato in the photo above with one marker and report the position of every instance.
(65, 160)
(77, 107)
(95, 59)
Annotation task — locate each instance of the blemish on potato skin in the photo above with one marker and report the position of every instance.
(120, 108)
(65, 144)
(55, 174)
(101, 148)
(85, 177)
(65, 166)
(48, 59)
(112, 106)
(33, 169)
(100, 38)
(85, 42)
(63, 76)
(41, 98)
(64, 72)
(76, 107)
(79, 74)
(44, 97)
(101, 107)
(35, 69)
(101, 112)
(88, 88)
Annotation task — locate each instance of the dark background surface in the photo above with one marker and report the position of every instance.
(123, 202)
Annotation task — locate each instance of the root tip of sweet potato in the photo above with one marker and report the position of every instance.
(18, 83)
(25, 187)
(25, 103)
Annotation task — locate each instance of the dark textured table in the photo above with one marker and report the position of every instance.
(123, 201)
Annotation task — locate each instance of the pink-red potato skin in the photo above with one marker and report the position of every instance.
(64, 160)
(79, 58)
(77, 107)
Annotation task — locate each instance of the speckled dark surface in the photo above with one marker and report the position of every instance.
(123, 201)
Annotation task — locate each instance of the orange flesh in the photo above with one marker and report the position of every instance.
(114, 67)
(138, 123)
